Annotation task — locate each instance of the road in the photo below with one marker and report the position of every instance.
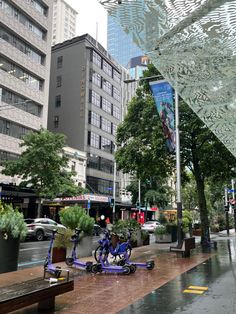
(33, 253)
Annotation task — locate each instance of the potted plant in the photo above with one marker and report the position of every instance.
(76, 217)
(122, 226)
(145, 237)
(162, 234)
(61, 243)
(187, 222)
(12, 230)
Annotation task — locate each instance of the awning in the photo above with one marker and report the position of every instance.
(193, 44)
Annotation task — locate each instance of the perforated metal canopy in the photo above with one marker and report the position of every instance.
(193, 44)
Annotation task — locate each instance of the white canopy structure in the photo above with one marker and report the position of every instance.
(193, 44)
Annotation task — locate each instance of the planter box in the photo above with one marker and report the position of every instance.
(85, 247)
(9, 253)
(163, 238)
(58, 254)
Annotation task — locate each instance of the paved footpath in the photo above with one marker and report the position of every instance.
(109, 293)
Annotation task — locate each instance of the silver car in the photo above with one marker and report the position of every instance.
(151, 225)
(40, 228)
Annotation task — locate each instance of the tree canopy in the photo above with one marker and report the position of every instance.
(42, 165)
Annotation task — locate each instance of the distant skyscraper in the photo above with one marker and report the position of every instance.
(64, 21)
(119, 44)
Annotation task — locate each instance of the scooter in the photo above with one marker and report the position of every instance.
(103, 265)
(48, 265)
(123, 251)
(73, 260)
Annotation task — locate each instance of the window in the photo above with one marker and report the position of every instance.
(116, 76)
(94, 119)
(105, 144)
(59, 80)
(73, 164)
(106, 105)
(114, 128)
(96, 78)
(116, 93)
(56, 122)
(58, 101)
(97, 59)
(116, 112)
(106, 125)
(106, 86)
(94, 98)
(93, 139)
(107, 68)
(59, 62)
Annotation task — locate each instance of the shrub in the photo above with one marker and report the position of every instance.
(12, 222)
(160, 230)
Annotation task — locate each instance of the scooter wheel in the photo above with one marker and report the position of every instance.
(132, 268)
(69, 261)
(150, 265)
(94, 268)
(88, 266)
(126, 270)
(121, 262)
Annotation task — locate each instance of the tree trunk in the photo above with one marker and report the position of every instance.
(205, 234)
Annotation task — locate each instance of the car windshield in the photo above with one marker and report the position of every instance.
(29, 221)
(151, 222)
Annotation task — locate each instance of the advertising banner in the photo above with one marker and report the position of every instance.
(163, 96)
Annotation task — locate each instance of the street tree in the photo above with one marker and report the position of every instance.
(42, 165)
(201, 152)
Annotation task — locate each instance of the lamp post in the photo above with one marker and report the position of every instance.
(114, 194)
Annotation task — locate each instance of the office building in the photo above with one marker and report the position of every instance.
(25, 51)
(85, 105)
(119, 45)
(64, 21)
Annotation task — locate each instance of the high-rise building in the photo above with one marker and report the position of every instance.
(119, 45)
(25, 51)
(85, 105)
(64, 21)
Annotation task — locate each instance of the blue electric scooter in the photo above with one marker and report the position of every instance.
(48, 265)
(73, 260)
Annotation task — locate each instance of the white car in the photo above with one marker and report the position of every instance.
(151, 225)
(40, 228)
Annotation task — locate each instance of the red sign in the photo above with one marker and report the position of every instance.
(154, 209)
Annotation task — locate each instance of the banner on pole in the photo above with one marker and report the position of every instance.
(163, 96)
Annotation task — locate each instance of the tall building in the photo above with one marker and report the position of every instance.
(64, 21)
(25, 51)
(85, 105)
(119, 44)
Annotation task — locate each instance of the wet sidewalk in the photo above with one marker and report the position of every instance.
(109, 293)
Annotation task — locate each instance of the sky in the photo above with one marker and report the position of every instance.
(90, 14)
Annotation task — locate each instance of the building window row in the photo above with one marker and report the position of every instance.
(105, 66)
(20, 102)
(104, 104)
(22, 18)
(21, 74)
(102, 186)
(100, 142)
(38, 6)
(101, 82)
(5, 156)
(100, 163)
(12, 129)
(22, 46)
(101, 122)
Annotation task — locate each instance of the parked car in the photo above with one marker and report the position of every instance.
(151, 225)
(96, 230)
(40, 228)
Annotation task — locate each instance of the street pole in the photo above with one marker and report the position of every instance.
(233, 205)
(114, 195)
(139, 196)
(227, 210)
(178, 174)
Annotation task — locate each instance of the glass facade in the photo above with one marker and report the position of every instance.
(119, 44)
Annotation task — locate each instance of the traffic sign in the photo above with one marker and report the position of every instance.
(231, 190)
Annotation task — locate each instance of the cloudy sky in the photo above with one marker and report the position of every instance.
(90, 14)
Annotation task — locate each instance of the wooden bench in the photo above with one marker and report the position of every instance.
(187, 245)
(39, 290)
